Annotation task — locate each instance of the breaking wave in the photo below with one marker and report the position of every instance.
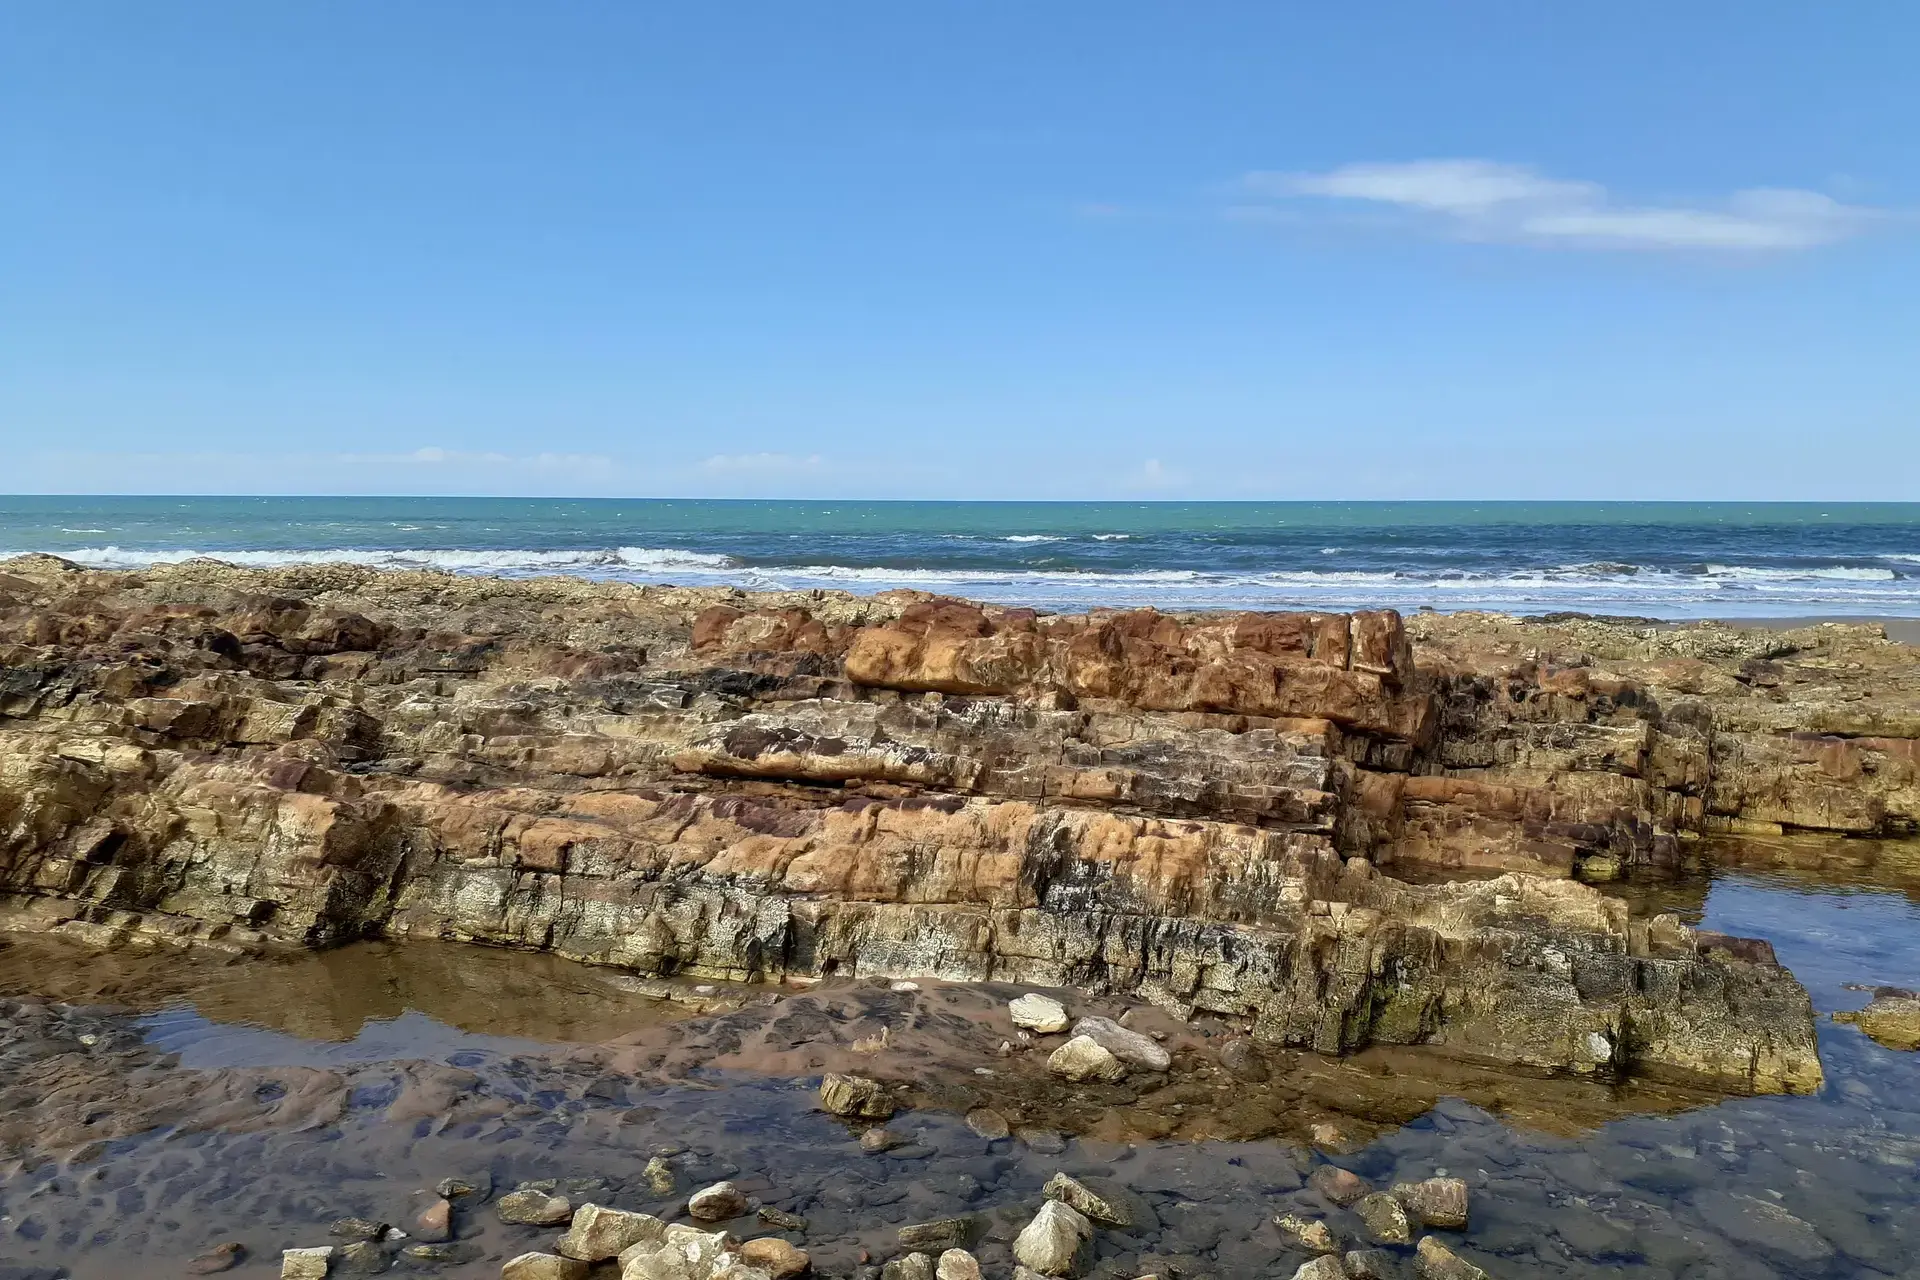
(1600, 586)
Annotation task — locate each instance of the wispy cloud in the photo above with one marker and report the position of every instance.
(434, 456)
(1487, 200)
(761, 463)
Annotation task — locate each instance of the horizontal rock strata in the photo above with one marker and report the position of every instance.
(1205, 811)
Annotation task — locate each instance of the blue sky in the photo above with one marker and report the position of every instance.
(1069, 250)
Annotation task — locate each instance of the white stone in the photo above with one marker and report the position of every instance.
(1083, 1058)
(957, 1264)
(1055, 1242)
(717, 1203)
(1130, 1047)
(1039, 1013)
(1324, 1267)
(599, 1233)
(682, 1253)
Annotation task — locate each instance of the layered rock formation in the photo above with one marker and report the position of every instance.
(1217, 813)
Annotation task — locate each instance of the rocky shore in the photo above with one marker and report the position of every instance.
(1326, 832)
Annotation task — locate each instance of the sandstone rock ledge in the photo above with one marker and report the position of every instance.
(1192, 809)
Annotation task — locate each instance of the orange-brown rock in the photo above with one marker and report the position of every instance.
(1204, 810)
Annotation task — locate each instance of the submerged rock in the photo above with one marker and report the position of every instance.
(1341, 1186)
(988, 1123)
(1437, 1262)
(957, 1232)
(222, 1257)
(1436, 1202)
(434, 1223)
(1309, 1233)
(1385, 1218)
(855, 1097)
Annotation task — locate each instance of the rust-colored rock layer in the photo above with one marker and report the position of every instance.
(1206, 811)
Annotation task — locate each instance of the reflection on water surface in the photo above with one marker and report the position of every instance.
(331, 1085)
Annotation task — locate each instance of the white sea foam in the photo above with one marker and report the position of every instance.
(453, 561)
(1033, 537)
(1600, 587)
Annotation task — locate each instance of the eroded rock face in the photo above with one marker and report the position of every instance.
(1196, 810)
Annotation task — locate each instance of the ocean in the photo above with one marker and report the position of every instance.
(1661, 560)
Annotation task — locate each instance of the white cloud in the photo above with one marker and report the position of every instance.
(761, 463)
(1490, 201)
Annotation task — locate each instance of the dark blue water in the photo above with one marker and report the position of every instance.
(1673, 560)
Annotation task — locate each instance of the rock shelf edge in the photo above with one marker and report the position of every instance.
(1206, 812)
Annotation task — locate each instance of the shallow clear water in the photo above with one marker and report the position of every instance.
(1669, 560)
(1825, 1186)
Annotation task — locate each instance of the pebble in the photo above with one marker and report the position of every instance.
(1057, 1242)
(660, 1176)
(874, 1140)
(357, 1229)
(912, 1266)
(1385, 1218)
(1243, 1062)
(1308, 1233)
(533, 1208)
(941, 1233)
(904, 986)
(1106, 1210)
(598, 1233)
(1130, 1047)
(856, 1096)
(1437, 1262)
(306, 1264)
(543, 1266)
(434, 1223)
(1043, 1142)
(957, 1264)
(717, 1203)
(1035, 1012)
(361, 1258)
(222, 1257)
(438, 1253)
(1337, 1185)
(987, 1123)
(1083, 1058)
(457, 1188)
(1437, 1202)
(1371, 1264)
(775, 1256)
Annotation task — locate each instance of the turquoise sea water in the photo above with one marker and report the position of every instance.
(1670, 560)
